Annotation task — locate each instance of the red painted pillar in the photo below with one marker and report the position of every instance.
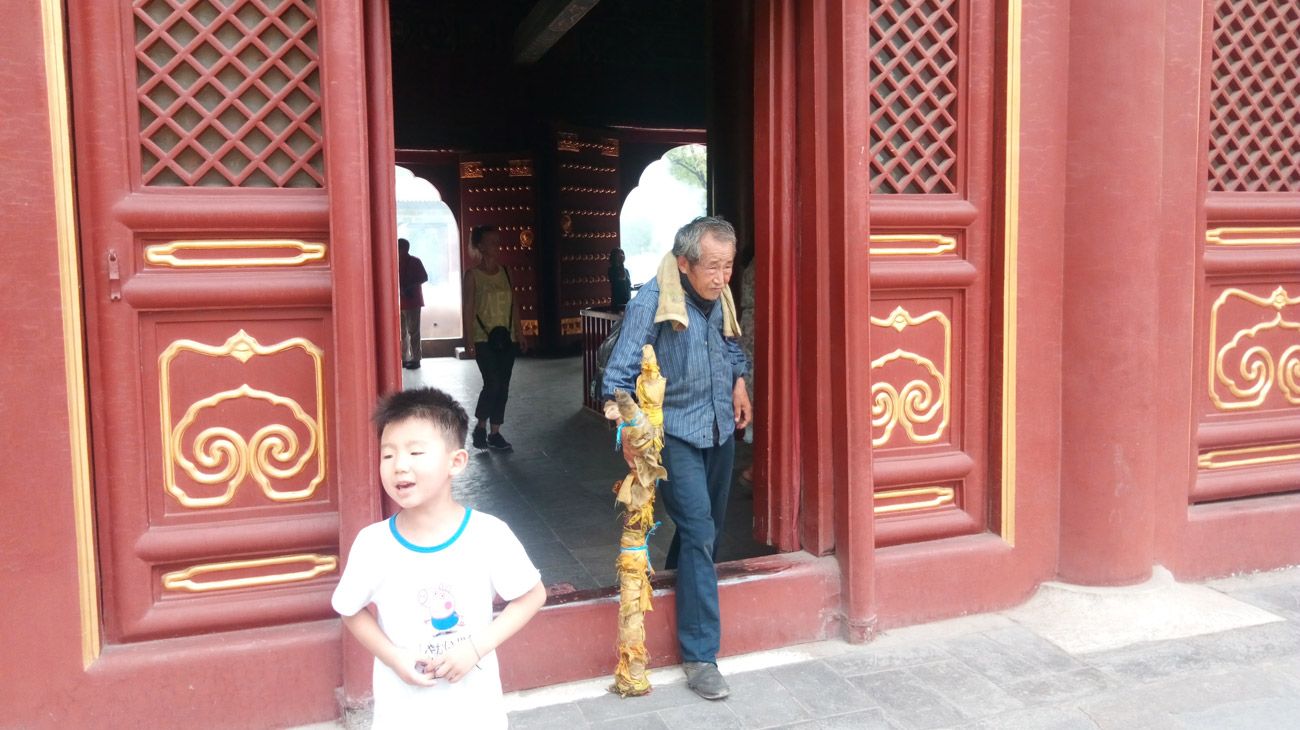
(834, 186)
(1112, 242)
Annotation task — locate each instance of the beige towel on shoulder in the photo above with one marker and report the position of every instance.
(672, 300)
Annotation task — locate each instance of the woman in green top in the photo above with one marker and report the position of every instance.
(491, 321)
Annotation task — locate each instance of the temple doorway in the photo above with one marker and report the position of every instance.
(609, 133)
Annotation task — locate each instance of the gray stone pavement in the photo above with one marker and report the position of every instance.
(987, 671)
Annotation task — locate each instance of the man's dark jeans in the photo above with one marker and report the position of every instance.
(695, 495)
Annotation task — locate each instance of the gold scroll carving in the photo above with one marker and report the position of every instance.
(220, 454)
(921, 406)
(1259, 368)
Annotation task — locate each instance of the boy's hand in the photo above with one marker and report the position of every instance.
(457, 662)
(414, 669)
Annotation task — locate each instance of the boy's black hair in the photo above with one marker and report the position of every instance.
(477, 233)
(430, 404)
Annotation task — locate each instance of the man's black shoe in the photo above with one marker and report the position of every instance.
(705, 680)
(480, 438)
(498, 442)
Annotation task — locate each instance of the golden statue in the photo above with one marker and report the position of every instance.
(642, 429)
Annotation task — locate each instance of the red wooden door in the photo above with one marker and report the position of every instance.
(229, 317)
(931, 206)
(1248, 304)
(585, 223)
(501, 190)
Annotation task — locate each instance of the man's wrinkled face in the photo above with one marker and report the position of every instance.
(710, 275)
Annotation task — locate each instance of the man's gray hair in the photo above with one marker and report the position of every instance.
(687, 242)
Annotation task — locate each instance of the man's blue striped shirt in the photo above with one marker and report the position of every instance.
(700, 364)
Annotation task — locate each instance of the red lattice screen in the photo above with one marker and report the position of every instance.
(1254, 112)
(914, 81)
(229, 93)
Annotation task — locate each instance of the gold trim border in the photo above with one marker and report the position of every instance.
(1216, 236)
(938, 496)
(939, 244)
(1010, 277)
(180, 580)
(65, 221)
(164, 254)
(1209, 460)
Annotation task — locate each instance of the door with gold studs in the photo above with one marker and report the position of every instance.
(221, 236)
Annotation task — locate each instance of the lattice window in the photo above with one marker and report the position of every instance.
(1254, 111)
(229, 93)
(914, 80)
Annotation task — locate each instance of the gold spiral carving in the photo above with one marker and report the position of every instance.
(220, 454)
(919, 403)
(1259, 368)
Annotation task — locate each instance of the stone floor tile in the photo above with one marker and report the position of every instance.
(873, 719)
(611, 706)
(1271, 712)
(1059, 687)
(1038, 718)
(1150, 661)
(907, 702)
(868, 658)
(554, 717)
(971, 693)
(639, 722)
(1249, 646)
(1034, 648)
(760, 701)
(705, 715)
(991, 659)
(821, 690)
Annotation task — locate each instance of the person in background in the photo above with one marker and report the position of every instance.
(492, 334)
(410, 279)
(620, 281)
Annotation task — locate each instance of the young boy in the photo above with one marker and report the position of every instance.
(432, 570)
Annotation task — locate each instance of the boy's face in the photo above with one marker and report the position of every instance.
(416, 465)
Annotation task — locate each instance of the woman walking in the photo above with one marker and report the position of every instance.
(491, 319)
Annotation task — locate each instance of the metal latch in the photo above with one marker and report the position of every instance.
(114, 278)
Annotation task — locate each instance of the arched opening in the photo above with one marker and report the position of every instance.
(428, 223)
(671, 192)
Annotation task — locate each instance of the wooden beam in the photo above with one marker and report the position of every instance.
(546, 23)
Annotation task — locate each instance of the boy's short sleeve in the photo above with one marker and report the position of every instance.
(511, 571)
(356, 589)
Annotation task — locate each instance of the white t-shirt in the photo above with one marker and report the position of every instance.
(431, 599)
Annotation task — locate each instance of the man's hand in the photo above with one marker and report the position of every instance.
(629, 451)
(740, 403)
(457, 662)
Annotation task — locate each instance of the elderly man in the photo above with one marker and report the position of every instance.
(684, 313)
